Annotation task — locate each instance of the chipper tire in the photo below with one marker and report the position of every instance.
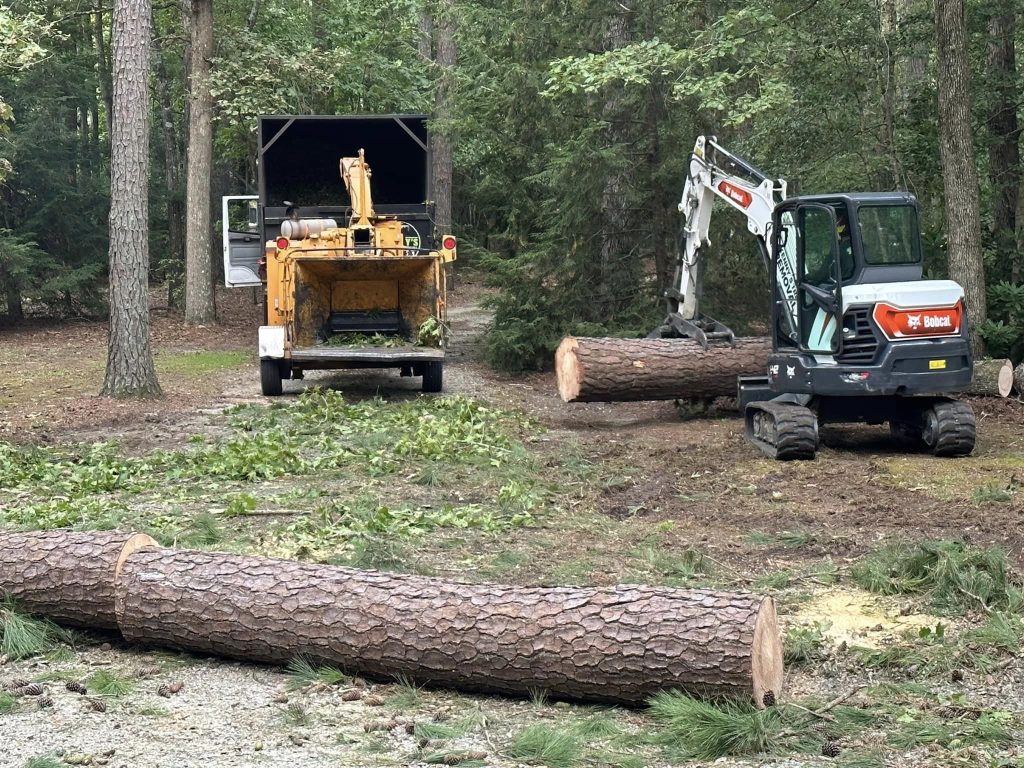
(433, 377)
(270, 377)
(949, 428)
(783, 431)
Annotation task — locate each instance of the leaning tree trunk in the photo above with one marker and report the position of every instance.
(612, 370)
(959, 172)
(618, 644)
(992, 378)
(199, 296)
(130, 370)
(67, 577)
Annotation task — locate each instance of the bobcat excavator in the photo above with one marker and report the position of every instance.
(857, 334)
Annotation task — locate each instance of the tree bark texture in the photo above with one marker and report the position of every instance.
(959, 172)
(199, 296)
(912, 65)
(614, 370)
(614, 644)
(617, 644)
(1018, 379)
(172, 178)
(1004, 148)
(444, 105)
(992, 378)
(66, 576)
(130, 371)
(103, 66)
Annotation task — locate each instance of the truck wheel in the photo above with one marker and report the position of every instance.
(907, 435)
(432, 376)
(270, 377)
(949, 428)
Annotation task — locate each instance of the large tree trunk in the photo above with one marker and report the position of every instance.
(618, 644)
(199, 296)
(1004, 148)
(612, 370)
(103, 67)
(440, 138)
(12, 297)
(130, 371)
(175, 271)
(66, 576)
(959, 173)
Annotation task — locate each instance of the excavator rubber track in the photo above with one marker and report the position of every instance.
(783, 431)
(949, 428)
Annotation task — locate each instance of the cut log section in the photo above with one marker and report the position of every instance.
(613, 370)
(992, 378)
(1018, 379)
(65, 576)
(616, 645)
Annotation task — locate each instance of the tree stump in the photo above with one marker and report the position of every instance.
(617, 645)
(66, 576)
(613, 370)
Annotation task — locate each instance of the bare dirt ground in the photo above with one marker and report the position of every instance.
(647, 487)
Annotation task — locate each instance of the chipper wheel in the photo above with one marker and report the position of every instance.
(270, 377)
(433, 376)
(948, 428)
(783, 431)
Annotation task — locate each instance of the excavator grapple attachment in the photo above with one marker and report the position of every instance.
(783, 431)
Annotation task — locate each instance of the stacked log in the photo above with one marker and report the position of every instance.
(617, 644)
(613, 370)
(992, 378)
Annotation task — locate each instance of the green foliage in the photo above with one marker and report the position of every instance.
(954, 576)
(915, 729)
(548, 745)
(303, 673)
(407, 694)
(804, 644)
(7, 703)
(108, 683)
(45, 761)
(1003, 331)
(21, 635)
(297, 715)
(698, 729)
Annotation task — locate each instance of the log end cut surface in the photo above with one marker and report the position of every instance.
(767, 653)
(567, 371)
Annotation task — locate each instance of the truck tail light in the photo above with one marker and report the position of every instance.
(448, 242)
(282, 243)
(920, 322)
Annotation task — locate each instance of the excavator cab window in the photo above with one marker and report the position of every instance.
(818, 278)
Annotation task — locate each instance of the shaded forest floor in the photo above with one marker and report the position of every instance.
(499, 481)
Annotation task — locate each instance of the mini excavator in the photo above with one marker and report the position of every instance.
(857, 334)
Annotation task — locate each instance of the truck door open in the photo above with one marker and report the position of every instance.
(243, 244)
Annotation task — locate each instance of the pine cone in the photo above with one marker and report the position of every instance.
(456, 758)
(32, 689)
(75, 687)
(831, 749)
(354, 695)
(148, 672)
(45, 702)
(96, 705)
(768, 699)
(957, 676)
(423, 743)
(410, 727)
(165, 691)
(17, 682)
(373, 701)
(380, 725)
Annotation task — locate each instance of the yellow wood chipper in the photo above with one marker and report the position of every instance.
(358, 285)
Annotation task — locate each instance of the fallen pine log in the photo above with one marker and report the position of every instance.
(992, 378)
(1018, 379)
(612, 370)
(617, 644)
(66, 576)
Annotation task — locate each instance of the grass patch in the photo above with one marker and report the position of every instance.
(199, 363)
(44, 761)
(7, 703)
(690, 567)
(407, 695)
(21, 635)
(805, 643)
(107, 683)
(297, 715)
(697, 729)
(952, 575)
(994, 493)
(303, 673)
(546, 745)
(916, 729)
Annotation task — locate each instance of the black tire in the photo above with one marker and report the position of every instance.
(949, 429)
(270, 377)
(907, 435)
(433, 376)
